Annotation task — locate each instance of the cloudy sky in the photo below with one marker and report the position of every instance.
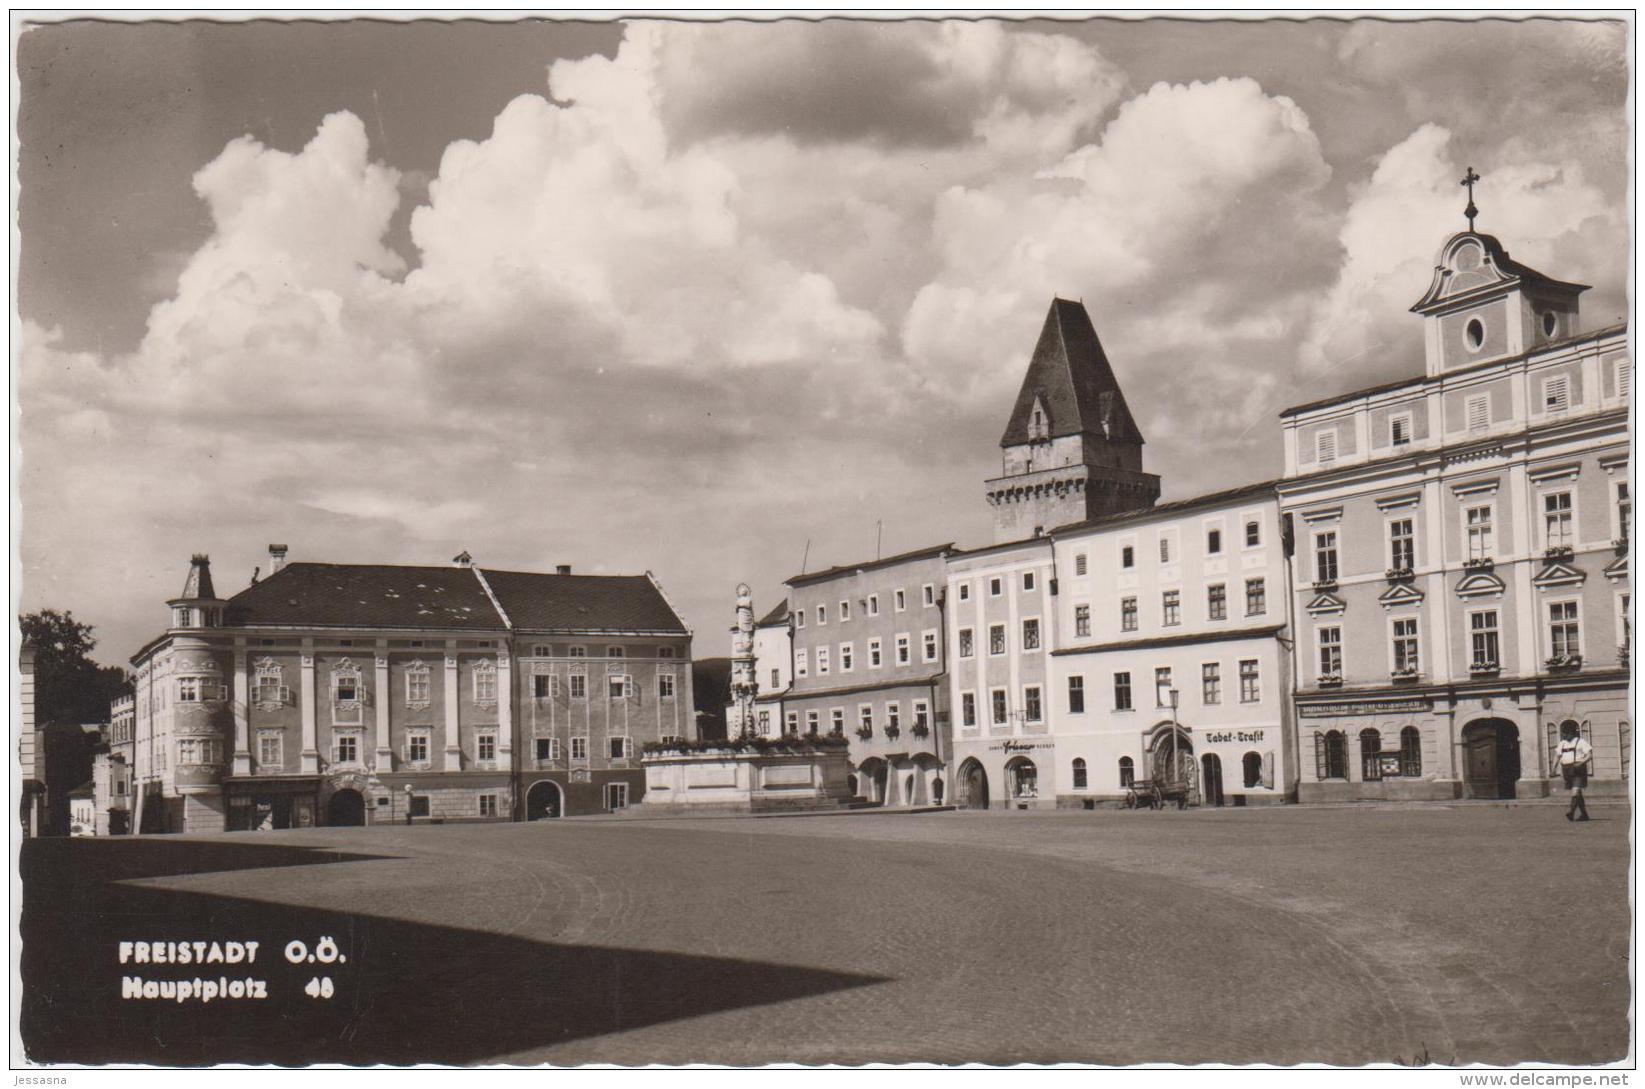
(685, 297)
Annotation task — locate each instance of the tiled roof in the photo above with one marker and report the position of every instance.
(387, 596)
(1264, 488)
(869, 565)
(1154, 642)
(365, 596)
(778, 615)
(536, 602)
(1069, 375)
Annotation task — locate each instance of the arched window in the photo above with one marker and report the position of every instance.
(1079, 773)
(1127, 771)
(1370, 752)
(1331, 755)
(1410, 752)
(1252, 763)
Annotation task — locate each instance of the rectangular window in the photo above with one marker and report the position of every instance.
(1256, 597)
(1122, 691)
(1162, 686)
(801, 668)
(1330, 652)
(1082, 620)
(822, 614)
(1402, 545)
(903, 651)
(928, 644)
(485, 747)
(579, 749)
(1031, 703)
(900, 599)
(579, 686)
(417, 747)
(1079, 564)
(1405, 645)
(995, 587)
(1479, 521)
(968, 709)
(1213, 542)
(997, 696)
(847, 657)
(613, 652)
(776, 679)
(845, 611)
(811, 720)
(967, 643)
(188, 690)
(996, 639)
(665, 685)
(1556, 393)
(1076, 695)
(1325, 446)
(576, 652)
(873, 604)
(928, 593)
(665, 652)
(1028, 582)
(1216, 601)
(791, 722)
(922, 716)
(488, 805)
(1564, 630)
(1031, 634)
(1478, 410)
(1556, 520)
(1325, 556)
(619, 748)
(485, 686)
(1253, 533)
(965, 591)
(822, 661)
(616, 796)
(1165, 550)
(893, 717)
(270, 750)
(1482, 630)
(1210, 682)
(1171, 608)
(542, 686)
(1250, 684)
(1624, 511)
(1128, 556)
(616, 688)
(548, 749)
(1399, 429)
(799, 619)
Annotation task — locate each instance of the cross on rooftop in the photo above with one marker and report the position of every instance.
(1469, 179)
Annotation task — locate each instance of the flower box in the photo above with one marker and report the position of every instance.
(1557, 552)
(1400, 574)
(1330, 680)
(1564, 661)
(1478, 563)
(1409, 673)
(1484, 667)
(1322, 585)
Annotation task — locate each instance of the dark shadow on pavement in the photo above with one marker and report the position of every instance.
(406, 993)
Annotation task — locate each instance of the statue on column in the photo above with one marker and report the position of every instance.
(745, 684)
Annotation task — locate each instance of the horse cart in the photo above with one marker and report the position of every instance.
(1158, 793)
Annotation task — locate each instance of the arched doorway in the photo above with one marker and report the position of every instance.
(973, 786)
(544, 800)
(1171, 759)
(347, 808)
(1490, 758)
(1211, 784)
(1022, 779)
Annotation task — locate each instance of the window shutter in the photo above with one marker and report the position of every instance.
(1268, 770)
(1556, 393)
(1624, 378)
(1319, 756)
(1479, 413)
(1325, 445)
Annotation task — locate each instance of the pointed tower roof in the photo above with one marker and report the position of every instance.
(1070, 377)
(198, 586)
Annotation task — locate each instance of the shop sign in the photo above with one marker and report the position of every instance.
(1388, 762)
(1223, 737)
(1364, 707)
(1021, 746)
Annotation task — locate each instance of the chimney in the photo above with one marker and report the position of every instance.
(562, 569)
(276, 558)
(463, 559)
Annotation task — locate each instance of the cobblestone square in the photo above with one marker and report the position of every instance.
(1343, 936)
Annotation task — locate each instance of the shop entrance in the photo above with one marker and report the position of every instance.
(1490, 758)
(973, 786)
(1211, 782)
(542, 801)
(1024, 779)
(347, 808)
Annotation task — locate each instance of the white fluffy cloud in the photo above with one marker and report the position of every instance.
(658, 320)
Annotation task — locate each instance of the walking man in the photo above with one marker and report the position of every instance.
(1575, 758)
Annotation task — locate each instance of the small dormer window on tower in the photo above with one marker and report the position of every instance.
(1039, 425)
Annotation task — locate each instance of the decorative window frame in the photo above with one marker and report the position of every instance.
(418, 668)
(347, 712)
(485, 669)
(1541, 514)
(357, 734)
(426, 733)
(276, 735)
(487, 731)
(572, 685)
(269, 691)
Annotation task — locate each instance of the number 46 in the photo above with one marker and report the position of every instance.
(319, 987)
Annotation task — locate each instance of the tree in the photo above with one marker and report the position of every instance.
(69, 687)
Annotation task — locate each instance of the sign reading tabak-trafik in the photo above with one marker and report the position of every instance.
(1363, 707)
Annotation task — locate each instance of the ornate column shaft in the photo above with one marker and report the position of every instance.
(505, 711)
(242, 709)
(453, 749)
(385, 753)
(310, 755)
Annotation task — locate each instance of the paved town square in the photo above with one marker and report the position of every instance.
(1455, 934)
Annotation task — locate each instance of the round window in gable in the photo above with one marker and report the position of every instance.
(1549, 323)
(1475, 332)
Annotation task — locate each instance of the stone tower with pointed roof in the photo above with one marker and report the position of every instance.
(1071, 450)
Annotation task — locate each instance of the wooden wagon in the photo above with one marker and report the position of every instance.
(1157, 793)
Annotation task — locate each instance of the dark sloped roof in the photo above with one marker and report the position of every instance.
(537, 602)
(1071, 378)
(1263, 488)
(869, 565)
(366, 596)
(777, 615)
(198, 584)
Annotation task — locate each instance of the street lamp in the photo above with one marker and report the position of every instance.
(408, 805)
(1171, 694)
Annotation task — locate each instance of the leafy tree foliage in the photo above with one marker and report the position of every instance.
(69, 687)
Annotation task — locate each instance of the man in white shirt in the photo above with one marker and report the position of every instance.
(1576, 756)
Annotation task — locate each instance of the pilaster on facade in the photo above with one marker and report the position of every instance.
(240, 762)
(309, 756)
(453, 752)
(383, 757)
(505, 707)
